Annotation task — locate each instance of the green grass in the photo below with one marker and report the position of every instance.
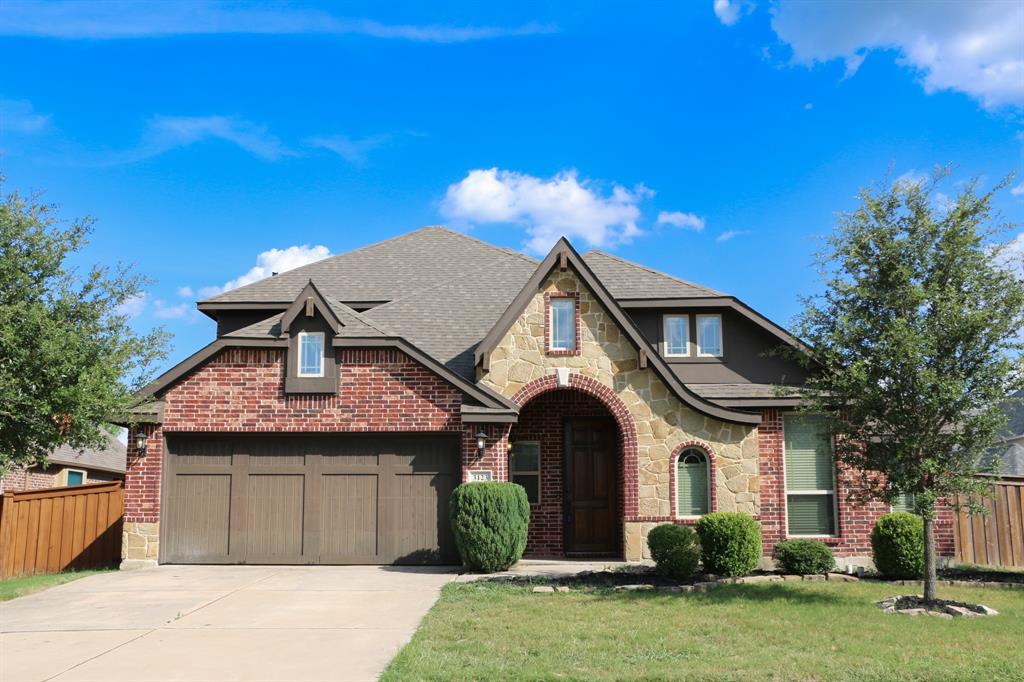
(19, 587)
(773, 631)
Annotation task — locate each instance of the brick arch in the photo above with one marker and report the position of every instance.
(712, 476)
(620, 413)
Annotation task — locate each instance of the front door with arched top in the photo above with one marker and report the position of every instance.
(591, 504)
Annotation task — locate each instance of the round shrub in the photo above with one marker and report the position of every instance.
(730, 543)
(804, 557)
(489, 521)
(674, 549)
(897, 545)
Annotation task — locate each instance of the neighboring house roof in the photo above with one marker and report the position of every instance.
(625, 280)
(1014, 409)
(1011, 451)
(109, 458)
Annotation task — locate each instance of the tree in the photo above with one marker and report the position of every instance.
(69, 361)
(916, 340)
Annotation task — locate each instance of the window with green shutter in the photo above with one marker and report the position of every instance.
(810, 476)
(692, 491)
(904, 503)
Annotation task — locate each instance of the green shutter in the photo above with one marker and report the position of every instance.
(810, 514)
(692, 488)
(904, 503)
(808, 454)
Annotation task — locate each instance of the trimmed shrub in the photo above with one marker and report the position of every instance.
(897, 546)
(489, 521)
(675, 550)
(730, 543)
(804, 557)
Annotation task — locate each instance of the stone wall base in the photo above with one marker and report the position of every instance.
(140, 541)
(133, 564)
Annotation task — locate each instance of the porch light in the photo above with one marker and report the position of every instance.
(481, 442)
(140, 443)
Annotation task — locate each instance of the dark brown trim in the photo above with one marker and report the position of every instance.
(757, 402)
(300, 306)
(626, 324)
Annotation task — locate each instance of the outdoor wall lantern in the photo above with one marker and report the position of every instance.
(140, 443)
(481, 443)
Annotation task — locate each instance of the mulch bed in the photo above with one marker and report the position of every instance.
(981, 576)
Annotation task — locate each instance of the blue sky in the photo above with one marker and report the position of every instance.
(214, 142)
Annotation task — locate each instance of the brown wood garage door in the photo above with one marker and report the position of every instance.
(287, 499)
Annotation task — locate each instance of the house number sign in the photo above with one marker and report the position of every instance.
(480, 476)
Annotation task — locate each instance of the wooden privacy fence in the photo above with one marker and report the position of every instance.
(45, 531)
(995, 538)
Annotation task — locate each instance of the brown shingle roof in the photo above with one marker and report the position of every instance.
(111, 458)
(625, 279)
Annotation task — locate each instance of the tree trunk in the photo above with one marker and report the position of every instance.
(930, 577)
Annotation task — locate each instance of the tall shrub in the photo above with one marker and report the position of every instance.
(490, 521)
(730, 543)
(675, 550)
(897, 545)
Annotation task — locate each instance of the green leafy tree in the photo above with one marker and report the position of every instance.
(916, 339)
(69, 361)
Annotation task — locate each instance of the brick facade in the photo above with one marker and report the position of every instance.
(37, 478)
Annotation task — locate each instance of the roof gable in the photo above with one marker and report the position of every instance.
(309, 300)
(563, 255)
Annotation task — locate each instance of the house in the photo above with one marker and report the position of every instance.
(1010, 450)
(70, 466)
(342, 401)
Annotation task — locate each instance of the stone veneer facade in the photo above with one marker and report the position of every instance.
(605, 358)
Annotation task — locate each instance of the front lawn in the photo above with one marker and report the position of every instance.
(19, 587)
(781, 631)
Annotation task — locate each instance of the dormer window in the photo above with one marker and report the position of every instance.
(677, 335)
(709, 336)
(311, 354)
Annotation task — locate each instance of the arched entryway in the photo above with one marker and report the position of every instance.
(569, 450)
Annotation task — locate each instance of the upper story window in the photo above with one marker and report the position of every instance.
(709, 335)
(311, 354)
(563, 324)
(677, 335)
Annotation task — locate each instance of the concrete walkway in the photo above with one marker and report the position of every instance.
(218, 623)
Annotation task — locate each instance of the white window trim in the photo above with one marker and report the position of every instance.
(834, 493)
(85, 476)
(551, 323)
(664, 334)
(298, 355)
(512, 473)
(721, 337)
(707, 465)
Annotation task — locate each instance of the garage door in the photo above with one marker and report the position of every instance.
(353, 499)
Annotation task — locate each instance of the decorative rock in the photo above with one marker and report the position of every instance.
(670, 588)
(912, 612)
(633, 588)
(792, 577)
(961, 611)
(563, 588)
(842, 578)
(759, 579)
(543, 588)
(814, 577)
(987, 610)
(704, 587)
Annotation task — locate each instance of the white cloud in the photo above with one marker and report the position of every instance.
(971, 47)
(912, 177)
(165, 311)
(1018, 190)
(186, 292)
(269, 262)
(689, 221)
(730, 11)
(731, 234)
(353, 151)
(18, 116)
(1012, 255)
(132, 307)
(563, 205)
(80, 19)
(164, 133)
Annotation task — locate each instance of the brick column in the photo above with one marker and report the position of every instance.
(140, 537)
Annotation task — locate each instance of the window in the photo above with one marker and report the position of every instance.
(709, 335)
(677, 335)
(76, 477)
(904, 503)
(563, 324)
(311, 354)
(810, 477)
(692, 493)
(525, 467)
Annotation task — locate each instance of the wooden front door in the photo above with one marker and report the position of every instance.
(590, 495)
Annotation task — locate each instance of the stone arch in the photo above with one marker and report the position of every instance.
(712, 475)
(620, 413)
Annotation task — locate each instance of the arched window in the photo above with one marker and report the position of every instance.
(693, 496)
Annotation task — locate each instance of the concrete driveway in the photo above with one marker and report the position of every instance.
(218, 623)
